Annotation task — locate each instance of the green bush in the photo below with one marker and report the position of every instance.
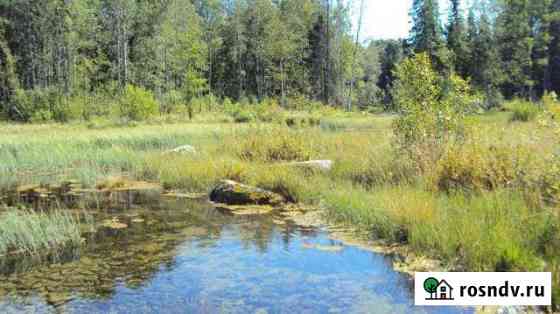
(243, 116)
(430, 109)
(49, 104)
(171, 101)
(137, 103)
(523, 111)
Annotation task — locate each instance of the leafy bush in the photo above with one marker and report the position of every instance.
(474, 167)
(171, 101)
(137, 103)
(301, 103)
(243, 116)
(429, 108)
(523, 111)
(269, 111)
(432, 110)
(552, 105)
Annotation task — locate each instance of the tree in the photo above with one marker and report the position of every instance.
(515, 44)
(553, 71)
(426, 32)
(118, 19)
(356, 49)
(8, 78)
(457, 39)
(390, 57)
(484, 64)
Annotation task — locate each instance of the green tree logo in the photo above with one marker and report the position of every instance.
(430, 285)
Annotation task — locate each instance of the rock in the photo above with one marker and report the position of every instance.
(325, 248)
(323, 165)
(183, 150)
(234, 193)
(245, 210)
(114, 224)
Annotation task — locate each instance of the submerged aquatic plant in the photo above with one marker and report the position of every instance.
(35, 233)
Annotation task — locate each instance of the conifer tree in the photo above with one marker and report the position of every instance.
(457, 38)
(516, 44)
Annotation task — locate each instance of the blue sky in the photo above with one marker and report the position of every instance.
(384, 19)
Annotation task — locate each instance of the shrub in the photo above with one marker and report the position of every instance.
(49, 104)
(432, 111)
(137, 103)
(473, 167)
(243, 116)
(523, 111)
(269, 111)
(171, 101)
(552, 105)
(429, 108)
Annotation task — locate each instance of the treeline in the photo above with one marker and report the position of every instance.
(246, 49)
(56, 52)
(505, 47)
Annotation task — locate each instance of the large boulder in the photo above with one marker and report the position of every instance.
(234, 193)
(182, 150)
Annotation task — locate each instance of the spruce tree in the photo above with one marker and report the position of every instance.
(516, 43)
(484, 59)
(457, 39)
(553, 71)
(427, 33)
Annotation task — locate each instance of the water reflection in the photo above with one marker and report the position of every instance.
(189, 258)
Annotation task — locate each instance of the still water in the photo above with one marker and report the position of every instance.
(186, 257)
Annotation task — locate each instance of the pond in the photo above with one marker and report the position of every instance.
(187, 257)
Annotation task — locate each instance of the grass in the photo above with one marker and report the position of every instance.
(36, 233)
(490, 203)
(523, 111)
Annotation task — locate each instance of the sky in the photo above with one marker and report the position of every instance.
(387, 19)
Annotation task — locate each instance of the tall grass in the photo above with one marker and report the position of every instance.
(523, 111)
(37, 233)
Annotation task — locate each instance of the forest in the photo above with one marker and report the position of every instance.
(65, 60)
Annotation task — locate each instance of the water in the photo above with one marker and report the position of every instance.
(189, 258)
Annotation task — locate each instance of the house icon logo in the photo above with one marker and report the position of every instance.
(438, 289)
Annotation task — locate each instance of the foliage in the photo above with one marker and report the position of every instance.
(137, 103)
(552, 105)
(431, 111)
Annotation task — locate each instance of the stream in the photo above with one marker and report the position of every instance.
(184, 256)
